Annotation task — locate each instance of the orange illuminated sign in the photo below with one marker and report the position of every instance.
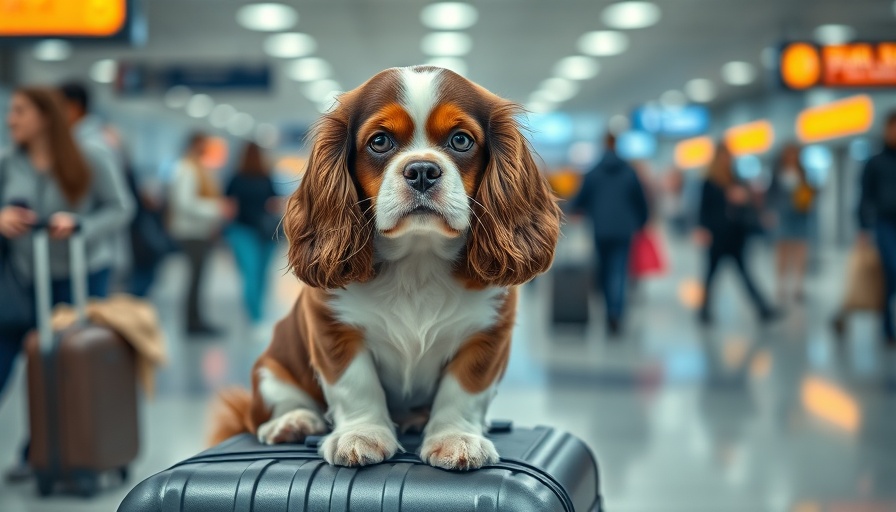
(696, 152)
(78, 18)
(750, 138)
(805, 65)
(842, 118)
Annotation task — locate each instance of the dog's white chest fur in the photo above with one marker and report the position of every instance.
(415, 316)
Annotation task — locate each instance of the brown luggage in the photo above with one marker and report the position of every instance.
(82, 391)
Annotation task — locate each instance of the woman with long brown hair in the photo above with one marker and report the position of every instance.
(251, 235)
(45, 176)
(727, 217)
(791, 199)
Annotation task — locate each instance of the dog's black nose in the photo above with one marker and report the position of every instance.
(422, 175)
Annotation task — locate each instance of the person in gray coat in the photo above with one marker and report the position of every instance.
(612, 197)
(46, 177)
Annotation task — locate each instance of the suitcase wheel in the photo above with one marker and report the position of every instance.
(87, 484)
(44, 484)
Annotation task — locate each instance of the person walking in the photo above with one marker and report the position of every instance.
(791, 199)
(251, 234)
(612, 197)
(728, 215)
(46, 177)
(197, 213)
(877, 218)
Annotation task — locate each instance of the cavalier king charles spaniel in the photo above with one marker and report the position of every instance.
(420, 212)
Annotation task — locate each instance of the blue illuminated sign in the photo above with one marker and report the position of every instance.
(675, 122)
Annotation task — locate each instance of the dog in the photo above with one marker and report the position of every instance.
(420, 212)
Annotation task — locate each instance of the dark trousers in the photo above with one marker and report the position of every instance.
(197, 252)
(612, 274)
(141, 281)
(11, 341)
(885, 232)
(733, 247)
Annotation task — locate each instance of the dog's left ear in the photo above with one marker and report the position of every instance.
(518, 223)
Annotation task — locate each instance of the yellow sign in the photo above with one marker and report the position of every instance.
(692, 153)
(805, 65)
(842, 118)
(750, 138)
(61, 18)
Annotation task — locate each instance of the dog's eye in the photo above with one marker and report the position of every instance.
(380, 143)
(461, 142)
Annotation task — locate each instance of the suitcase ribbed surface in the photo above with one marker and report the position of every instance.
(541, 470)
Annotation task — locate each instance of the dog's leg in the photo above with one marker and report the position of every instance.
(294, 414)
(363, 432)
(453, 438)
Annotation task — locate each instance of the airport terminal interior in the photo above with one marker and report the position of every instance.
(788, 407)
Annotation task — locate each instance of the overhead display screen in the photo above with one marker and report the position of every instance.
(63, 18)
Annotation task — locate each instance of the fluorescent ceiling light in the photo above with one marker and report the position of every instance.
(310, 69)
(577, 67)
(221, 115)
(628, 15)
(446, 44)
(52, 50)
(200, 105)
(738, 73)
(700, 90)
(104, 71)
(455, 64)
(603, 43)
(558, 89)
(449, 16)
(241, 124)
(673, 98)
(834, 34)
(267, 17)
(290, 45)
(320, 90)
(178, 96)
(267, 135)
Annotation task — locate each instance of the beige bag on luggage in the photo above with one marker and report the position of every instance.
(865, 288)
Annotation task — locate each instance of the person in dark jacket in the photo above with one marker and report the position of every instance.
(727, 217)
(877, 214)
(251, 235)
(613, 199)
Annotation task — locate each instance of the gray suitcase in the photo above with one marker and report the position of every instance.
(541, 469)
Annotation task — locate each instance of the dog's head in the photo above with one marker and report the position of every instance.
(417, 152)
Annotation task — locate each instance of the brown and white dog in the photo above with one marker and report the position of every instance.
(420, 212)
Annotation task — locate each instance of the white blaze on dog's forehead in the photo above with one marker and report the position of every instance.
(419, 94)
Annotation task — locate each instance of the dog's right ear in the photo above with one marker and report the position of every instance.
(330, 240)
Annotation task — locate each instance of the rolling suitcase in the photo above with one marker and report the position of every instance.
(82, 391)
(541, 469)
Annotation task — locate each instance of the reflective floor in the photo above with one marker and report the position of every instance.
(734, 418)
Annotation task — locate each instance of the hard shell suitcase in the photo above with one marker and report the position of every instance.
(569, 294)
(541, 469)
(82, 393)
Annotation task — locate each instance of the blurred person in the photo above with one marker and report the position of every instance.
(251, 232)
(728, 215)
(791, 198)
(150, 242)
(877, 216)
(613, 198)
(46, 176)
(197, 213)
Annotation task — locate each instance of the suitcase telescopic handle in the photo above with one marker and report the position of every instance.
(43, 290)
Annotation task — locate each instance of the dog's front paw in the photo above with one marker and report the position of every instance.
(359, 445)
(291, 427)
(458, 450)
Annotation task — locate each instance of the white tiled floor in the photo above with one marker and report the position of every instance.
(734, 418)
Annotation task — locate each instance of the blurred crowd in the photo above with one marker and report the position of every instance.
(627, 208)
(67, 170)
